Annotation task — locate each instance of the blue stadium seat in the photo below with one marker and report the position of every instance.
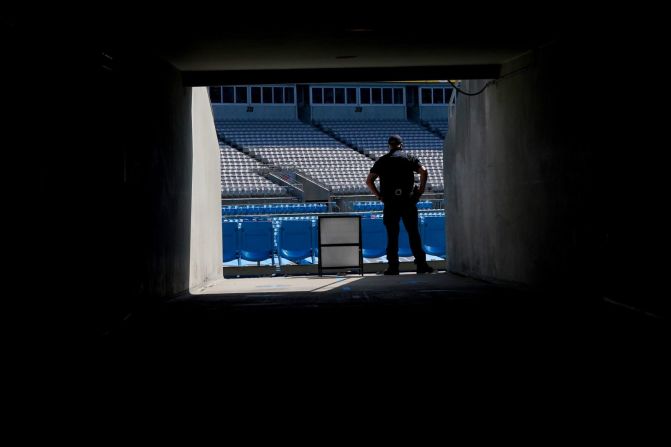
(373, 238)
(433, 235)
(231, 241)
(295, 240)
(256, 241)
(315, 237)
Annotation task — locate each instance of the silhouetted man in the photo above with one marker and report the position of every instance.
(400, 196)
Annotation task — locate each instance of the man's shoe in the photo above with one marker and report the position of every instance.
(391, 271)
(424, 268)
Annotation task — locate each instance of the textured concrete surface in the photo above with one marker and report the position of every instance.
(430, 323)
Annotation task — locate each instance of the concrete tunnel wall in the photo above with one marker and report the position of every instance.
(174, 171)
(206, 238)
(160, 168)
(141, 190)
(521, 184)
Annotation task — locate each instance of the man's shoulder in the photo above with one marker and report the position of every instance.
(401, 154)
(382, 159)
(414, 159)
(378, 163)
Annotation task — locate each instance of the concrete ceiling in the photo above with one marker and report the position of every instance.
(346, 52)
(346, 48)
(238, 43)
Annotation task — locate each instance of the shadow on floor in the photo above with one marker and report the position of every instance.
(433, 323)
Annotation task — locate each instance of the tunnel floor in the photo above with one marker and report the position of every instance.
(412, 321)
(396, 344)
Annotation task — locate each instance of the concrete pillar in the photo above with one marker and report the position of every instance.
(206, 244)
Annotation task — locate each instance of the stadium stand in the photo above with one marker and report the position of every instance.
(239, 177)
(296, 145)
(438, 127)
(370, 137)
(265, 159)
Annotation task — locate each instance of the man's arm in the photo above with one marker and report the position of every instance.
(423, 176)
(370, 182)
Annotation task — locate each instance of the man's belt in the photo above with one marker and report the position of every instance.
(398, 193)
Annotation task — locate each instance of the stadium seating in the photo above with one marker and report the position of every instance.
(239, 177)
(273, 208)
(256, 241)
(295, 240)
(373, 238)
(231, 242)
(257, 232)
(432, 230)
(288, 144)
(371, 137)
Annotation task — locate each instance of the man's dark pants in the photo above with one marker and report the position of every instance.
(393, 213)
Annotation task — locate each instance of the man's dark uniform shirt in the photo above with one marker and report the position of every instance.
(397, 174)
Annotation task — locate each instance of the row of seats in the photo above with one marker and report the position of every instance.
(375, 205)
(440, 125)
(296, 145)
(253, 191)
(274, 208)
(297, 239)
(373, 136)
(239, 177)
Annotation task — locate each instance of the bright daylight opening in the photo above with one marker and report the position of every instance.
(292, 153)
